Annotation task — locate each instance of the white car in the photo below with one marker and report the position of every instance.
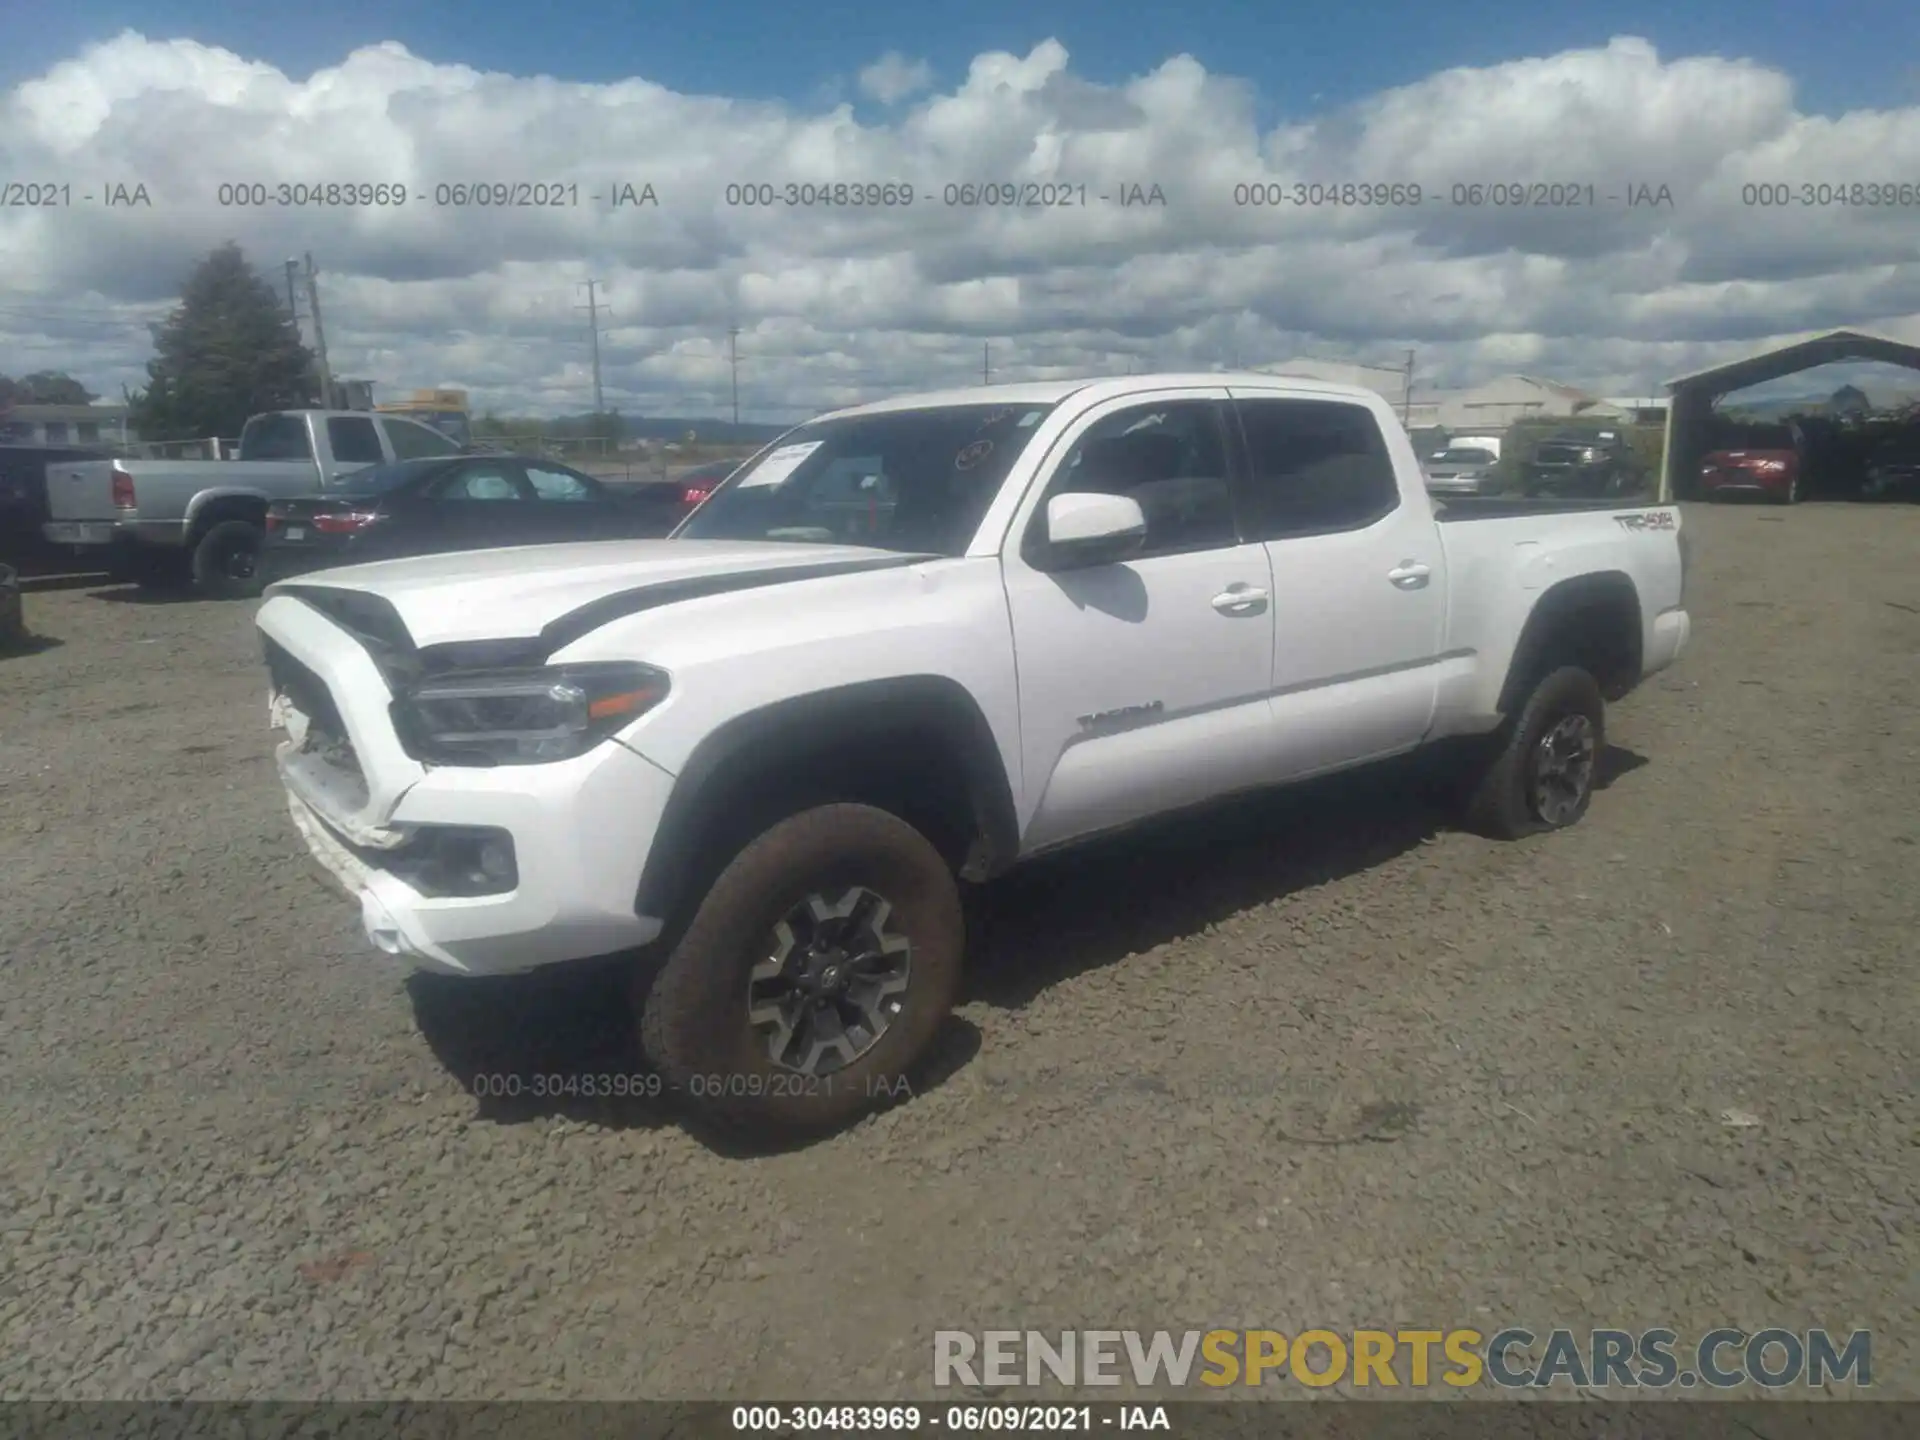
(1465, 467)
(916, 642)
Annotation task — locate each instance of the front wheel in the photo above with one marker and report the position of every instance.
(1789, 496)
(1541, 776)
(226, 560)
(812, 980)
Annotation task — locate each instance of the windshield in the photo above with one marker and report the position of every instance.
(917, 481)
(1466, 455)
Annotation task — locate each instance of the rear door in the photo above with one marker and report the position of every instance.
(1359, 592)
(481, 504)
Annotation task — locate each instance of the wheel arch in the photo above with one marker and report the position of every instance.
(918, 744)
(1591, 620)
(211, 507)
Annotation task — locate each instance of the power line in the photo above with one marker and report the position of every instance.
(592, 307)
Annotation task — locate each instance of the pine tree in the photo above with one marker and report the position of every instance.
(228, 352)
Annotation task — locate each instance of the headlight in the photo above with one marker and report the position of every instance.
(523, 717)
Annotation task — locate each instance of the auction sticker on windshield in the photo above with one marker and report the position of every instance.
(778, 465)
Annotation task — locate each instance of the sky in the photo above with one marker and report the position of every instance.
(1697, 113)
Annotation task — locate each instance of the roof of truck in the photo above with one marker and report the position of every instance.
(1052, 392)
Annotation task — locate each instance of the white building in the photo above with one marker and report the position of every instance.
(1500, 402)
(31, 424)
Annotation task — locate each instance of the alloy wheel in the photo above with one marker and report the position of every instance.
(833, 980)
(1563, 769)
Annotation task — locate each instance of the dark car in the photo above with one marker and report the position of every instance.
(449, 503)
(701, 481)
(1893, 470)
(1581, 464)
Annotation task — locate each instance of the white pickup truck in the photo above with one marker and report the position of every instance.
(921, 641)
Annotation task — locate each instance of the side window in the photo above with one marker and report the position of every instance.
(479, 482)
(417, 442)
(1172, 458)
(1317, 466)
(277, 436)
(558, 484)
(353, 440)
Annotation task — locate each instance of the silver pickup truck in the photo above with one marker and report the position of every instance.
(162, 523)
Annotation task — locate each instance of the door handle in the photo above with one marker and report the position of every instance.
(1239, 600)
(1411, 575)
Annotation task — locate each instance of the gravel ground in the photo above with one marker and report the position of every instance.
(1310, 1061)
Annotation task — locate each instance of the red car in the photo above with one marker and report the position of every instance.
(1774, 474)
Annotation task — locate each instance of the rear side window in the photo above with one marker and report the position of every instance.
(480, 482)
(353, 440)
(1316, 466)
(276, 437)
(551, 484)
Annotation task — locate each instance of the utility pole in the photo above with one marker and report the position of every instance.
(592, 307)
(733, 362)
(986, 361)
(1406, 399)
(319, 335)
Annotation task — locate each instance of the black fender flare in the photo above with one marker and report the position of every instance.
(933, 709)
(1558, 606)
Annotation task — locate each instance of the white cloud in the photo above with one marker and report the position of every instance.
(838, 303)
(893, 78)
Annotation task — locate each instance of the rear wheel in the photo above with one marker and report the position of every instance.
(812, 980)
(226, 560)
(1541, 774)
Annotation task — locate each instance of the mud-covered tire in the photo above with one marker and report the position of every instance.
(693, 1009)
(226, 560)
(1505, 801)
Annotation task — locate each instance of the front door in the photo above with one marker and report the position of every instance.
(1143, 683)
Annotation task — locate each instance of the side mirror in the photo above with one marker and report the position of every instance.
(1084, 530)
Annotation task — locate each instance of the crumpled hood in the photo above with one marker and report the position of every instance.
(529, 591)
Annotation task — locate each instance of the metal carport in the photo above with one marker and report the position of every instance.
(1690, 411)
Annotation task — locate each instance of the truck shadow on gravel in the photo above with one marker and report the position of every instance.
(562, 1044)
(136, 595)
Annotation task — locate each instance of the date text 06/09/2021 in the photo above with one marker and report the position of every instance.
(457, 195)
(643, 1085)
(971, 1419)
